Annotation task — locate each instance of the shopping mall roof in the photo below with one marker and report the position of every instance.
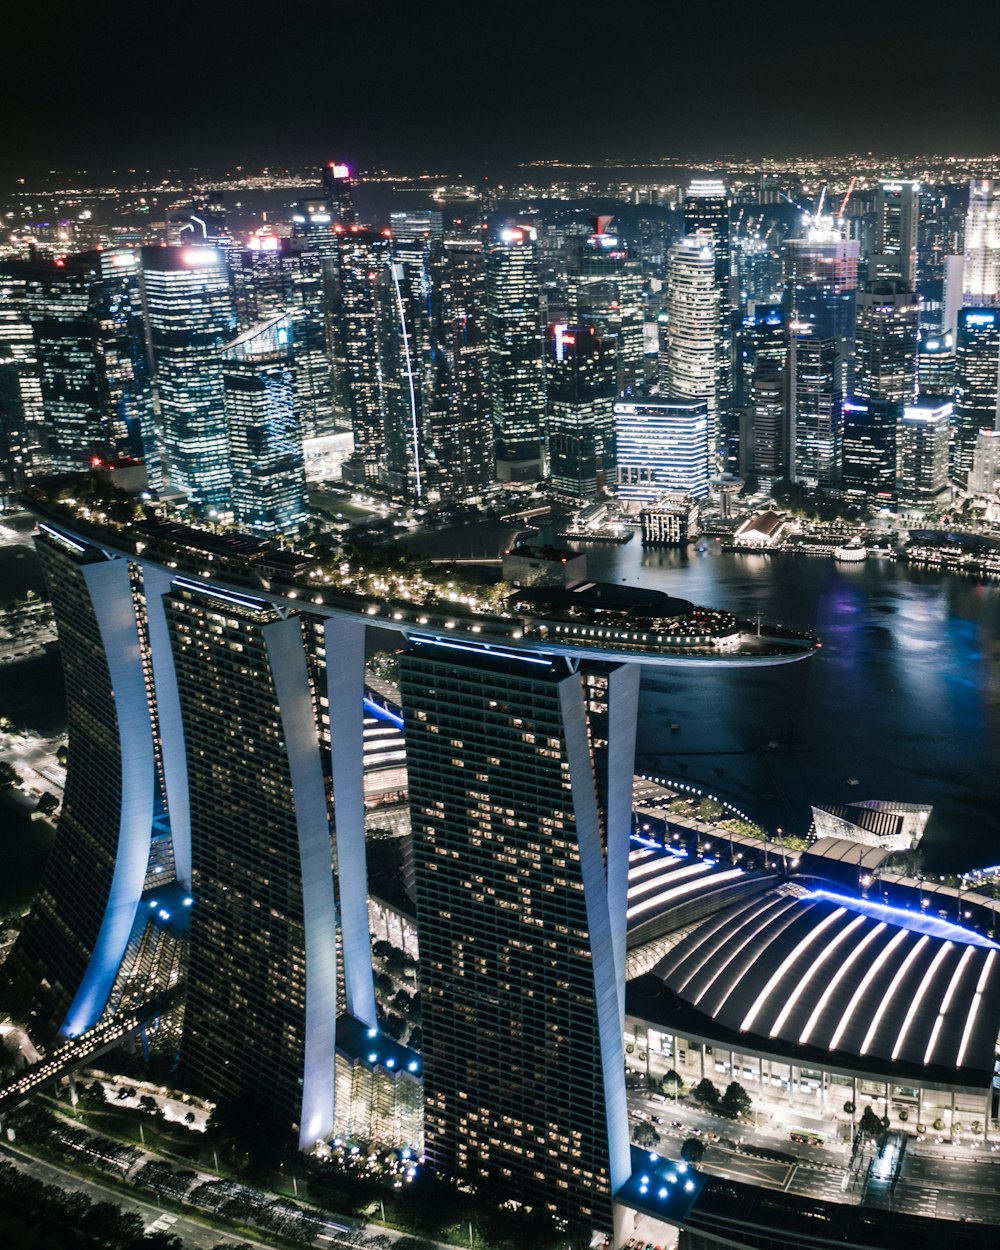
(804, 971)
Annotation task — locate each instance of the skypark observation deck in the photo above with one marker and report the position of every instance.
(598, 621)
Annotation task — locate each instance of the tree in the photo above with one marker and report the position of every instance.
(643, 1134)
(93, 1095)
(736, 1101)
(9, 776)
(693, 1150)
(706, 1092)
(871, 1124)
(671, 1083)
(148, 1104)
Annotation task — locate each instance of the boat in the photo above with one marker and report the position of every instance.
(852, 552)
(852, 781)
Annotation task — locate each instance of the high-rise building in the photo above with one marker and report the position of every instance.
(984, 476)
(22, 433)
(869, 455)
(764, 425)
(61, 301)
(276, 275)
(706, 207)
(404, 361)
(762, 343)
(897, 210)
(516, 355)
(190, 315)
(606, 293)
(265, 437)
(936, 365)
(122, 330)
(821, 283)
(337, 191)
(885, 361)
(661, 445)
(519, 918)
(922, 453)
(261, 871)
(814, 404)
(977, 383)
(689, 361)
(981, 279)
(580, 390)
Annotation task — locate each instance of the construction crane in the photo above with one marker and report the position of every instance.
(843, 203)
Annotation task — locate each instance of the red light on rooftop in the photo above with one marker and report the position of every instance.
(95, 462)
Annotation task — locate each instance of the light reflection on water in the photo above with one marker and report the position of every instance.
(904, 698)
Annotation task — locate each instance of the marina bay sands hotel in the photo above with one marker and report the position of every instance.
(215, 689)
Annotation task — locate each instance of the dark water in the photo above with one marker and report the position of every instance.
(904, 697)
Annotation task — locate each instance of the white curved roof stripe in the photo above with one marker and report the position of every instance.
(918, 997)
(977, 998)
(956, 977)
(803, 984)
(779, 973)
(866, 981)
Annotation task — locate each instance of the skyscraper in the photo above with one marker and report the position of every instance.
(815, 409)
(22, 434)
(977, 382)
(580, 389)
(936, 365)
(898, 214)
(606, 293)
(922, 453)
(690, 360)
(764, 429)
(265, 437)
(516, 343)
(984, 476)
(869, 457)
(661, 445)
(885, 361)
(190, 315)
(981, 279)
(520, 918)
(821, 283)
(706, 207)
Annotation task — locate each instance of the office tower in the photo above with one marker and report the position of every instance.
(362, 258)
(984, 476)
(404, 357)
(981, 276)
(936, 365)
(706, 207)
(580, 392)
(521, 917)
(423, 223)
(661, 445)
(764, 426)
(189, 316)
(762, 343)
(814, 404)
(690, 356)
(461, 427)
(516, 352)
(922, 453)
(337, 192)
(977, 382)
(953, 294)
(897, 209)
(885, 360)
(275, 275)
(821, 283)
(261, 871)
(71, 946)
(122, 331)
(22, 434)
(939, 236)
(869, 455)
(757, 259)
(61, 302)
(605, 292)
(265, 438)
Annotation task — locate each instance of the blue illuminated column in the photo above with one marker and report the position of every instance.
(171, 729)
(110, 590)
(287, 660)
(345, 676)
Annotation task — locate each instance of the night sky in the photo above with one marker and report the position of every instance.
(464, 87)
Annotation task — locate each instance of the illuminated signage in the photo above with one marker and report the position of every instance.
(201, 256)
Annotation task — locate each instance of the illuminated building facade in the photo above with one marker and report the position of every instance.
(762, 344)
(936, 365)
(897, 208)
(821, 284)
(984, 475)
(22, 435)
(580, 388)
(977, 382)
(869, 456)
(520, 919)
(814, 404)
(661, 446)
(706, 207)
(885, 359)
(606, 294)
(764, 426)
(265, 438)
(689, 360)
(922, 453)
(190, 316)
(981, 272)
(516, 354)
